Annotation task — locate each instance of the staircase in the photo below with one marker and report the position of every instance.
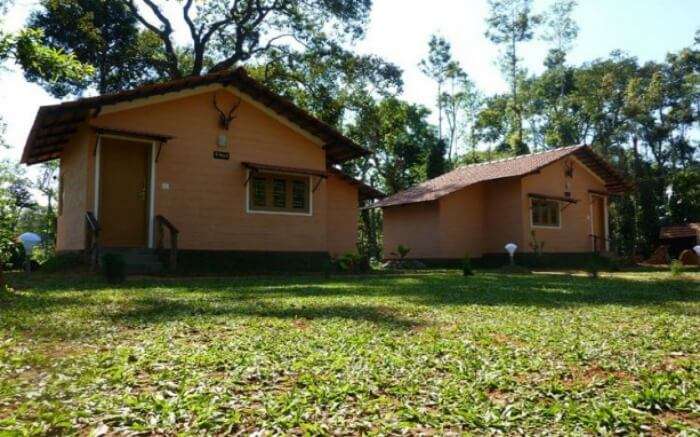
(139, 261)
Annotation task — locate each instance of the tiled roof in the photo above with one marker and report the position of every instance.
(55, 124)
(680, 231)
(466, 175)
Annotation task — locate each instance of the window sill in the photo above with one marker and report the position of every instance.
(302, 214)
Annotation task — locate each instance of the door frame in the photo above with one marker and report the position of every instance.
(591, 197)
(151, 178)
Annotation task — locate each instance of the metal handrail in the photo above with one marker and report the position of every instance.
(163, 222)
(93, 227)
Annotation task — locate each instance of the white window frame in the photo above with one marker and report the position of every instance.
(249, 178)
(531, 211)
(151, 181)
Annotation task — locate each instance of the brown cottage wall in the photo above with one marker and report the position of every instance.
(206, 198)
(502, 217)
(342, 216)
(573, 236)
(462, 223)
(74, 176)
(414, 226)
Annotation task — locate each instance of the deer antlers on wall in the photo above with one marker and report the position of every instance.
(226, 119)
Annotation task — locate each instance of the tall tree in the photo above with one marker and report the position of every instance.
(101, 33)
(435, 164)
(329, 81)
(460, 102)
(225, 33)
(438, 66)
(560, 30)
(511, 23)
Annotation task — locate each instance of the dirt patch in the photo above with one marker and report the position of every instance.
(668, 418)
(592, 375)
(498, 397)
(673, 362)
(301, 324)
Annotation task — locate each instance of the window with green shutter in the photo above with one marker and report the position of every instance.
(271, 192)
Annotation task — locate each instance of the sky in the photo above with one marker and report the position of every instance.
(399, 31)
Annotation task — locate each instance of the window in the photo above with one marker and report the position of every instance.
(545, 213)
(259, 195)
(279, 193)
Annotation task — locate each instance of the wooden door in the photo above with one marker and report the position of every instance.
(123, 210)
(598, 221)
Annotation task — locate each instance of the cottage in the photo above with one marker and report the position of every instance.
(219, 164)
(553, 202)
(680, 237)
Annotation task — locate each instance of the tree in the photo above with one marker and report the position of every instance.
(328, 80)
(460, 102)
(225, 33)
(399, 136)
(101, 33)
(510, 24)
(560, 30)
(435, 164)
(439, 66)
(684, 201)
(26, 49)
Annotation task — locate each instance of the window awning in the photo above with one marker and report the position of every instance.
(280, 169)
(555, 198)
(134, 134)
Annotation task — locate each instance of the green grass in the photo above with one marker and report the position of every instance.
(413, 353)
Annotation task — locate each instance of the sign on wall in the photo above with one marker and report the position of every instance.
(221, 155)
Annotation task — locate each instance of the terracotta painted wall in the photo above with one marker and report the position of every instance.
(74, 175)
(462, 223)
(342, 216)
(206, 197)
(573, 236)
(414, 226)
(502, 214)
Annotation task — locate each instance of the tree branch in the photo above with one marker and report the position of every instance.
(163, 33)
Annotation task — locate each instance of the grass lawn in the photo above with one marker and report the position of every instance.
(414, 353)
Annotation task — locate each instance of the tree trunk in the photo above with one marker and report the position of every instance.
(2, 278)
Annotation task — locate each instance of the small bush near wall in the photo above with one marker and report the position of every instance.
(64, 262)
(467, 266)
(114, 268)
(204, 262)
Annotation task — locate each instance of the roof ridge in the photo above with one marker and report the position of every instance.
(516, 157)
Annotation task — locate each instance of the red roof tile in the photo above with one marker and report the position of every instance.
(467, 175)
(55, 124)
(680, 231)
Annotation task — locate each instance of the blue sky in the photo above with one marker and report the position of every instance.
(399, 31)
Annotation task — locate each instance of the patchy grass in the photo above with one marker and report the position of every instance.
(417, 353)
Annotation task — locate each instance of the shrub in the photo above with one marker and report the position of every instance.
(595, 265)
(63, 262)
(114, 268)
(467, 266)
(353, 263)
(676, 268)
(403, 251)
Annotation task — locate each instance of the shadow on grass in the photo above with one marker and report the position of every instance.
(152, 300)
(153, 310)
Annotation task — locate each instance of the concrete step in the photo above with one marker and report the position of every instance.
(138, 260)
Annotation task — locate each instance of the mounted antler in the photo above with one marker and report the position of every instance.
(225, 120)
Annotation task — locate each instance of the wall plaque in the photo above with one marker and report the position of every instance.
(221, 155)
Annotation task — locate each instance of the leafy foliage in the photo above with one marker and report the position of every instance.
(103, 34)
